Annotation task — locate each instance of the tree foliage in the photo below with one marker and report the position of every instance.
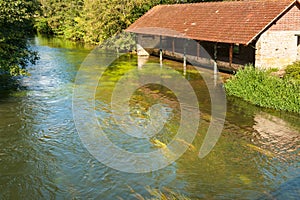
(59, 17)
(16, 20)
(93, 21)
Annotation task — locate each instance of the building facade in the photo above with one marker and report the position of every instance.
(265, 33)
(279, 45)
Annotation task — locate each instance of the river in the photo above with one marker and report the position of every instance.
(43, 157)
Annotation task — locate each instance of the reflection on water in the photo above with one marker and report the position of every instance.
(41, 155)
(277, 134)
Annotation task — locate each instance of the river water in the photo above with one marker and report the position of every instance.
(42, 156)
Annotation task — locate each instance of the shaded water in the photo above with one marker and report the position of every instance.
(42, 157)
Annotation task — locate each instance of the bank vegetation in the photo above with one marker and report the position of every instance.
(93, 21)
(263, 88)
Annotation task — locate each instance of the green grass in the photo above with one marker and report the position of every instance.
(262, 89)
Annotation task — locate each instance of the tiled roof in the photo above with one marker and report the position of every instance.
(227, 22)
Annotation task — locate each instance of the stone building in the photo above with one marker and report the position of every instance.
(265, 33)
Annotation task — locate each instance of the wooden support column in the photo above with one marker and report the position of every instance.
(215, 64)
(173, 45)
(160, 49)
(215, 58)
(230, 54)
(184, 57)
(198, 49)
(136, 37)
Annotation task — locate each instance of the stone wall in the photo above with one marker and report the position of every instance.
(298, 57)
(279, 46)
(276, 49)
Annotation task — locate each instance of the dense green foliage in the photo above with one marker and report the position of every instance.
(93, 21)
(90, 21)
(265, 90)
(293, 71)
(60, 17)
(16, 21)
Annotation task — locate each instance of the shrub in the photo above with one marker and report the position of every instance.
(293, 71)
(43, 27)
(262, 89)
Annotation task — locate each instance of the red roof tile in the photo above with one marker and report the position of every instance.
(227, 22)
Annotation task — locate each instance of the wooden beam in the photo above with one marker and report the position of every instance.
(230, 54)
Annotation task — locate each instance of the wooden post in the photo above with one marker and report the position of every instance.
(136, 38)
(173, 45)
(160, 48)
(184, 53)
(230, 55)
(215, 58)
(198, 49)
(215, 64)
(184, 57)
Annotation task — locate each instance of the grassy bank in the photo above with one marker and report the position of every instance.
(263, 89)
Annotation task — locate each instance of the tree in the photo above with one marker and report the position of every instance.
(94, 21)
(16, 24)
(61, 18)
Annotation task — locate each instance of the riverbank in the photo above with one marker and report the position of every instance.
(266, 88)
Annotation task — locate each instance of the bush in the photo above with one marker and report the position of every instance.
(262, 89)
(42, 26)
(293, 71)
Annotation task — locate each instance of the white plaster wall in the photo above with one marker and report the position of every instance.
(298, 57)
(276, 49)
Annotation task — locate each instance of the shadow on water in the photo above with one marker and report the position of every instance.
(10, 86)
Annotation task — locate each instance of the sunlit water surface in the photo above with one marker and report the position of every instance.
(42, 156)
